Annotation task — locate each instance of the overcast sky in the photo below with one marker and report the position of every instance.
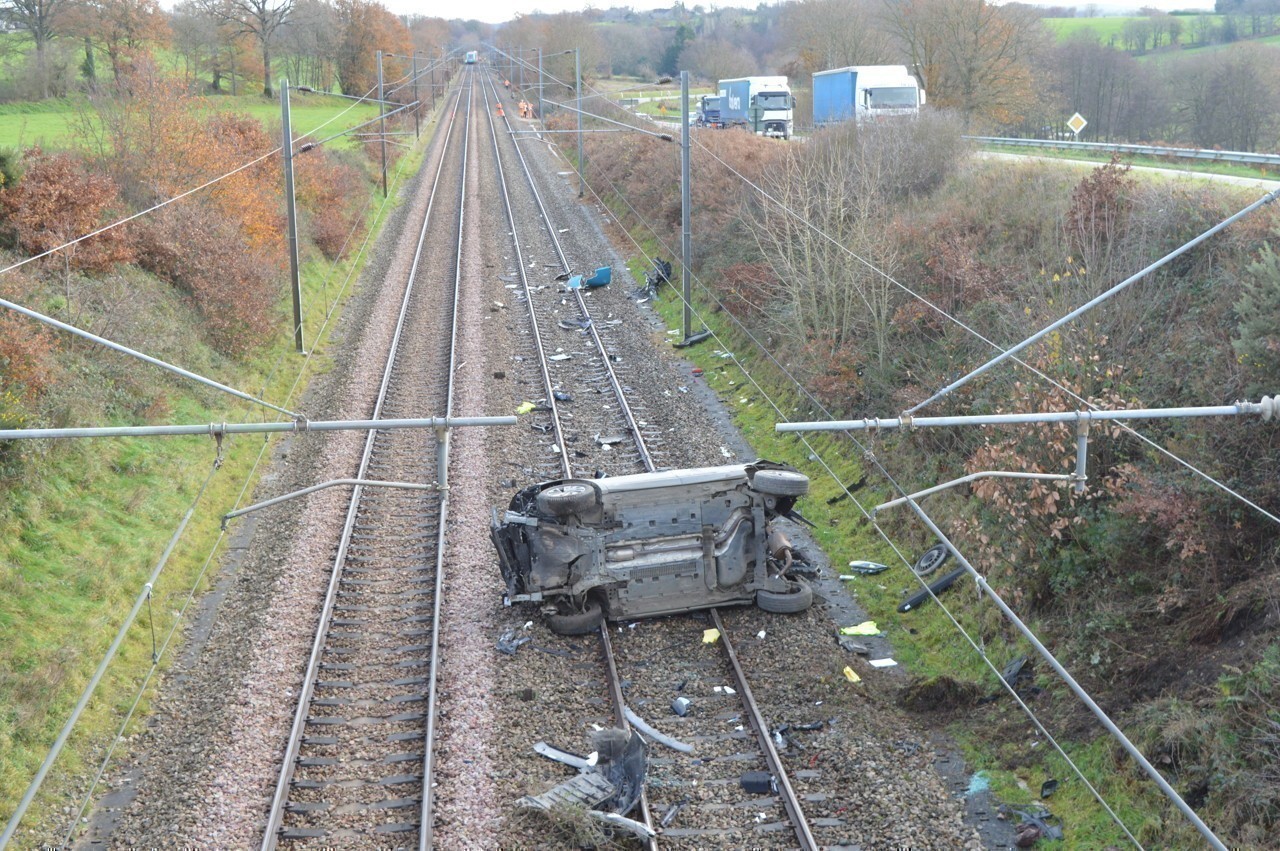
(497, 11)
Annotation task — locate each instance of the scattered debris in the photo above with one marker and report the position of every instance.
(1048, 787)
(560, 357)
(693, 339)
(864, 628)
(561, 396)
(602, 277)
(882, 663)
(851, 675)
(931, 560)
(608, 784)
(672, 811)
(524, 408)
(510, 641)
(866, 568)
(500, 374)
(848, 489)
(854, 647)
(571, 324)
(610, 439)
(1015, 672)
(662, 738)
(1036, 823)
(680, 706)
(936, 588)
(710, 636)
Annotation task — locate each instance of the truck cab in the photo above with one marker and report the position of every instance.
(709, 112)
(653, 544)
(764, 105)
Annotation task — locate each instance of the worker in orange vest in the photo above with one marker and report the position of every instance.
(507, 83)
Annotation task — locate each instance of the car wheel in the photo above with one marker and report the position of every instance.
(567, 498)
(799, 598)
(931, 560)
(577, 623)
(780, 482)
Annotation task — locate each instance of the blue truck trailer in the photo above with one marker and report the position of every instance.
(864, 92)
(762, 104)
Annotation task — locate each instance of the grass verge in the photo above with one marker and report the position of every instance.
(81, 539)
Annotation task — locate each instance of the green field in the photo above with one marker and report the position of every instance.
(1110, 27)
(50, 123)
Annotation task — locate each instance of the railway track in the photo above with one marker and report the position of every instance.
(359, 755)
(590, 366)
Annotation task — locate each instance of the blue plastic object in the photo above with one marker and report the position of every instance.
(575, 283)
(602, 276)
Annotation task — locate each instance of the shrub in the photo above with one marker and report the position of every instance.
(1257, 338)
(330, 188)
(59, 199)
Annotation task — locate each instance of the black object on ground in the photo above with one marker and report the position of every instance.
(692, 340)
(936, 588)
(757, 782)
(1015, 671)
(1048, 787)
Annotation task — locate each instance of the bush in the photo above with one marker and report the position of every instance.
(59, 199)
(1257, 338)
(331, 188)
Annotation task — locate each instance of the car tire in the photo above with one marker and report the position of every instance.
(566, 498)
(933, 558)
(578, 623)
(799, 598)
(780, 482)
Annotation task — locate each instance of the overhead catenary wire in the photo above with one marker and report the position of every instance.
(1112, 727)
(1225, 488)
(160, 653)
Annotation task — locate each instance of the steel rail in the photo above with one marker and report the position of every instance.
(563, 450)
(425, 833)
(646, 457)
(611, 669)
(276, 815)
(788, 794)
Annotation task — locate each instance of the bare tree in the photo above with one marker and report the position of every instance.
(838, 33)
(715, 59)
(40, 19)
(259, 18)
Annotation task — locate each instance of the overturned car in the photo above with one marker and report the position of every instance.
(653, 544)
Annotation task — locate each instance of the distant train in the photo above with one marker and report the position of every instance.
(472, 57)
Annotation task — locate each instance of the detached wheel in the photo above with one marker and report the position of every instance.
(799, 598)
(932, 559)
(567, 498)
(780, 483)
(577, 623)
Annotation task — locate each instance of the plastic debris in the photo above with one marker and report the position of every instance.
(761, 634)
(672, 811)
(864, 628)
(710, 636)
(866, 568)
(560, 357)
(524, 408)
(1048, 787)
(757, 782)
(882, 663)
(680, 706)
(509, 643)
(852, 646)
(851, 675)
(561, 396)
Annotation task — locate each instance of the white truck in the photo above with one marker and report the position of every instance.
(864, 92)
(763, 104)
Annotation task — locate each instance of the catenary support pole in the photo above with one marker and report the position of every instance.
(685, 236)
(577, 83)
(539, 83)
(417, 127)
(382, 124)
(291, 216)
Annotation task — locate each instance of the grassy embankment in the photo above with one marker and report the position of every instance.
(81, 538)
(925, 641)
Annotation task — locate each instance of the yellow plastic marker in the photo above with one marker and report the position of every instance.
(851, 675)
(524, 408)
(710, 636)
(864, 628)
